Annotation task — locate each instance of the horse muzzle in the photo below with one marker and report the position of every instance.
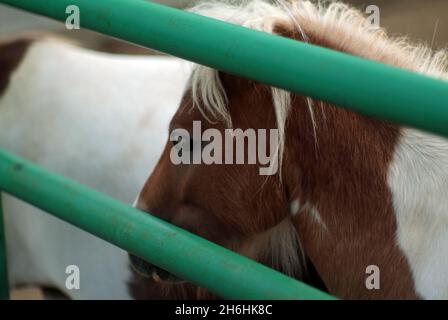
(148, 270)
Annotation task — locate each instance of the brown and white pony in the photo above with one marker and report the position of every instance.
(352, 191)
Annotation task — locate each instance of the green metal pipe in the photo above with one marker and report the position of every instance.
(222, 271)
(367, 87)
(4, 286)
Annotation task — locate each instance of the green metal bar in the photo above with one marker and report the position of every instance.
(4, 286)
(190, 257)
(364, 86)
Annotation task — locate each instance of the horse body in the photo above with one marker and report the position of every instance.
(352, 192)
(99, 119)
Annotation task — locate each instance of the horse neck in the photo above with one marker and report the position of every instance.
(342, 152)
(332, 152)
(338, 153)
(367, 186)
(336, 174)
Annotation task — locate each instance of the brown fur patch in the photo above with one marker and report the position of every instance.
(344, 177)
(11, 54)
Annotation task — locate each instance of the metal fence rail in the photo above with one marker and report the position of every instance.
(364, 86)
(222, 271)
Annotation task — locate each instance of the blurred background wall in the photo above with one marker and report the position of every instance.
(422, 20)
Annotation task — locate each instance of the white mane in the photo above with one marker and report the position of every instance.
(339, 26)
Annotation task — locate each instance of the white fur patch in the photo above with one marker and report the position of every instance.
(317, 217)
(295, 207)
(282, 244)
(418, 179)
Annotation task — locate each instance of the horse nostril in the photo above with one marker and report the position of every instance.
(149, 270)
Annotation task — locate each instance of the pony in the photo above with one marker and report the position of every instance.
(97, 118)
(354, 197)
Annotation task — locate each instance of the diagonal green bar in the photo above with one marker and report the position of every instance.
(364, 86)
(213, 267)
(4, 286)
